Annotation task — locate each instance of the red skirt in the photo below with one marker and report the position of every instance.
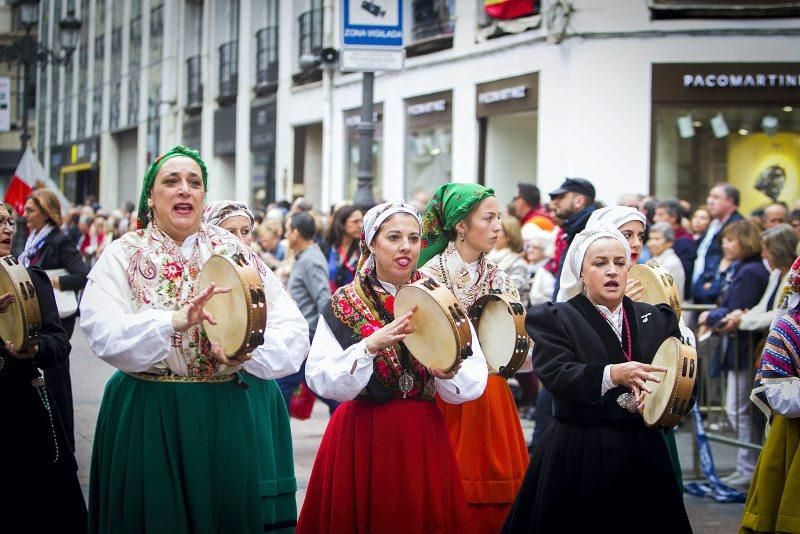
(385, 468)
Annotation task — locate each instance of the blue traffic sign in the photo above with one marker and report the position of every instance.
(372, 23)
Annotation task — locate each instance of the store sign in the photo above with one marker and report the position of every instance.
(5, 99)
(503, 95)
(754, 80)
(696, 83)
(354, 120)
(425, 108)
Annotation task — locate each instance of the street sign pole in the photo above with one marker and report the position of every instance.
(372, 40)
(366, 136)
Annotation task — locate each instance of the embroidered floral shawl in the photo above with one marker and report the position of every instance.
(153, 273)
(355, 308)
(449, 269)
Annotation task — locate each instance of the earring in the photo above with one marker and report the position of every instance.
(463, 237)
(583, 287)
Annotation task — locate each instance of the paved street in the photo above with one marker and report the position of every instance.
(89, 375)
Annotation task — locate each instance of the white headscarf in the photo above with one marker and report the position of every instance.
(216, 212)
(373, 220)
(616, 216)
(573, 262)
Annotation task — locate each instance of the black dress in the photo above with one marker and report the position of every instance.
(60, 252)
(39, 489)
(598, 467)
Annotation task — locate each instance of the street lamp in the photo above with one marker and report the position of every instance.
(28, 52)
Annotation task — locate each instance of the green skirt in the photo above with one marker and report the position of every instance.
(174, 458)
(773, 502)
(276, 464)
(672, 448)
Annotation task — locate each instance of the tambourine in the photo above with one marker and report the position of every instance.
(241, 314)
(21, 324)
(659, 287)
(499, 321)
(441, 337)
(671, 398)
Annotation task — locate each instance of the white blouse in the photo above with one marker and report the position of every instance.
(142, 341)
(341, 374)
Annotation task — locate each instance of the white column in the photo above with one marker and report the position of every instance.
(329, 14)
(394, 148)
(209, 103)
(172, 72)
(284, 133)
(465, 134)
(246, 43)
(142, 161)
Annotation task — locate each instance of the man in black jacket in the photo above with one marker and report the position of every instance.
(723, 204)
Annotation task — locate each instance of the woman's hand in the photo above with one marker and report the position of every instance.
(10, 350)
(194, 313)
(438, 373)
(703, 318)
(392, 333)
(732, 321)
(56, 283)
(219, 356)
(634, 290)
(6, 301)
(635, 375)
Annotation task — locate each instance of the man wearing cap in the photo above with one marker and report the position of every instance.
(573, 203)
(527, 207)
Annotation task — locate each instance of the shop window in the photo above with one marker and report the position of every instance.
(352, 120)
(697, 146)
(726, 122)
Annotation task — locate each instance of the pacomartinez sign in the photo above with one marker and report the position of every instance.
(750, 83)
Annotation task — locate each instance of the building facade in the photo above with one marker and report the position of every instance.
(640, 96)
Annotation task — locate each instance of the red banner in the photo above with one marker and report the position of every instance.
(509, 9)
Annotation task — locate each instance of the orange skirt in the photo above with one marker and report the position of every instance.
(489, 446)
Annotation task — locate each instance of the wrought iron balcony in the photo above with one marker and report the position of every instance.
(228, 70)
(194, 84)
(267, 58)
(310, 32)
(432, 26)
(310, 44)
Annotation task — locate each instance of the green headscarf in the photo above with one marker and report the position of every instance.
(152, 171)
(448, 205)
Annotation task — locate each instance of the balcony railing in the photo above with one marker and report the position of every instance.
(228, 70)
(310, 44)
(194, 84)
(267, 57)
(432, 26)
(431, 18)
(310, 32)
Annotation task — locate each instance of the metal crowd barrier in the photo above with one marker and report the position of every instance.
(713, 391)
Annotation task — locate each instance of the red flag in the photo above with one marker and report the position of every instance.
(29, 176)
(508, 9)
